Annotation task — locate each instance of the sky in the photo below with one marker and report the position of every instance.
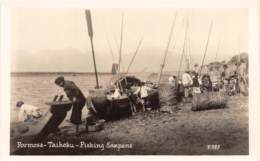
(56, 39)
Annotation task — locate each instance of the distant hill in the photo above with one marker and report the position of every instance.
(237, 59)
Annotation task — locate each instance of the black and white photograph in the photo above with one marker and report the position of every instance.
(129, 80)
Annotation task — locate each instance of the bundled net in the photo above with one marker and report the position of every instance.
(209, 100)
(167, 95)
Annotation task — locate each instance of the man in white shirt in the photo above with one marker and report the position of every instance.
(173, 80)
(186, 79)
(27, 112)
(142, 93)
(187, 83)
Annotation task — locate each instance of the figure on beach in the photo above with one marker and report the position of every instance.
(196, 83)
(206, 84)
(74, 94)
(173, 81)
(187, 83)
(142, 95)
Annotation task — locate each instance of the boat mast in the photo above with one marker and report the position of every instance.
(167, 48)
(187, 44)
(183, 49)
(136, 51)
(90, 33)
(108, 42)
(120, 47)
(206, 47)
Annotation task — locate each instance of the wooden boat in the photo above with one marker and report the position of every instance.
(109, 108)
(49, 121)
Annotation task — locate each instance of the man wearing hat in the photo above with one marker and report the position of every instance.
(74, 94)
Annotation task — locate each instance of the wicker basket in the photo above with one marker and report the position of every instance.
(209, 100)
(167, 95)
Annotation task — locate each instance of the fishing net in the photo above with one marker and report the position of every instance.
(167, 95)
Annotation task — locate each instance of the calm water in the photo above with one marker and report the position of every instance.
(38, 89)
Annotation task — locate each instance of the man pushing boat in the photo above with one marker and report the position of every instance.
(76, 96)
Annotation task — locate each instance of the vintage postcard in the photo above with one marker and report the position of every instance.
(129, 80)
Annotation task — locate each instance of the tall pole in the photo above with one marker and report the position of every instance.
(120, 47)
(183, 49)
(120, 54)
(108, 42)
(167, 48)
(136, 51)
(111, 51)
(206, 48)
(190, 60)
(187, 45)
(90, 33)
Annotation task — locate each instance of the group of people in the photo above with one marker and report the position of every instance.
(191, 82)
(79, 100)
(138, 94)
(195, 82)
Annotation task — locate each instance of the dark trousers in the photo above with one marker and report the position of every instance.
(76, 111)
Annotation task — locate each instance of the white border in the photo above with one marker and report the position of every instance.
(254, 108)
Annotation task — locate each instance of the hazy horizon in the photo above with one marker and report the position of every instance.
(56, 39)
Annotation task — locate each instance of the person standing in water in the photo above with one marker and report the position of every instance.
(74, 94)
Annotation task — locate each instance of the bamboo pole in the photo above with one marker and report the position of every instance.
(187, 43)
(120, 54)
(219, 40)
(108, 42)
(117, 46)
(167, 48)
(135, 53)
(120, 47)
(90, 33)
(189, 50)
(206, 47)
(183, 48)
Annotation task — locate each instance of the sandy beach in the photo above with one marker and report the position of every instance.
(183, 132)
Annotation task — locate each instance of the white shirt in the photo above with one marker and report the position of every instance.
(116, 94)
(27, 111)
(143, 91)
(171, 79)
(186, 79)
